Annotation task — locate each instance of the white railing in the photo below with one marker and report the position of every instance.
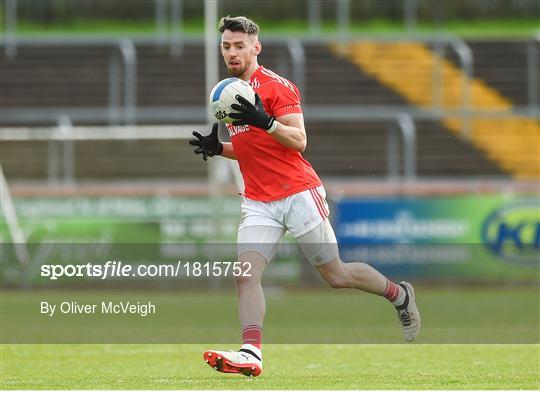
(62, 137)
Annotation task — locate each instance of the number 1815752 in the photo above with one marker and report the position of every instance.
(217, 269)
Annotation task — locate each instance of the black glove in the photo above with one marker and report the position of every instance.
(253, 115)
(209, 145)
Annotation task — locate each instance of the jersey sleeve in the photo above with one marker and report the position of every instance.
(283, 99)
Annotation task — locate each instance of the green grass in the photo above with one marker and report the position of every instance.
(342, 340)
(489, 28)
(286, 367)
(458, 315)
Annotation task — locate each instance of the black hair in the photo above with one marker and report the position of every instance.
(238, 23)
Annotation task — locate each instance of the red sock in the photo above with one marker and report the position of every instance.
(252, 334)
(395, 293)
(392, 291)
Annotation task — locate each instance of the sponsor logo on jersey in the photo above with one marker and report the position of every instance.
(235, 130)
(291, 106)
(255, 84)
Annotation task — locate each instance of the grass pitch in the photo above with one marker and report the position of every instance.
(320, 323)
(309, 366)
(450, 316)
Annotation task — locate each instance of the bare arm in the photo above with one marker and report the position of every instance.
(228, 151)
(291, 131)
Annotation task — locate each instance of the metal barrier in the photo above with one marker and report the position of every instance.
(298, 58)
(466, 62)
(128, 53)
(126, 111)
(405, 126)
(62, 137)
(129, 56)
(65, 131)
(194, 114)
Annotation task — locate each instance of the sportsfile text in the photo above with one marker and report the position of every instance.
(119, 269)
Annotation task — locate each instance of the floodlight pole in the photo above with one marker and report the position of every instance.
(211, 67)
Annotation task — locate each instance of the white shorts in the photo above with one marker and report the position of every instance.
(304, 215)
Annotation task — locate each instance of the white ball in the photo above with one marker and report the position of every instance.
(224, 94)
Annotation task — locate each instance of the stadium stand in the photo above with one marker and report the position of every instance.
(58, 76)
(407, 68)
(508, 73)
(78, 77)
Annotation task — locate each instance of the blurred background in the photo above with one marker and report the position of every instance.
(422, 116)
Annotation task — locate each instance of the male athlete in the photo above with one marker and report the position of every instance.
(282, 192)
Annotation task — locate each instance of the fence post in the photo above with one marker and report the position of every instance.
(53, 163)
(409, 15)
(298, 56)
(160, 15)
(314, 16)
(437, 101)
(176, 25)
(129, 55)
(408, 131)
(65, 128)
(343, 14)
(10, 25)
(466, 59)
(114, 87)
(392, 152)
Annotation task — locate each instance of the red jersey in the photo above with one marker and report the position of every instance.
(271, 171)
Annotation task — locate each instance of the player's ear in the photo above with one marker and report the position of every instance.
(257, 48)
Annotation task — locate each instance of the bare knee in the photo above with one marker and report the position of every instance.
(245, 280)
(336, 274)
(249, 271)
(242, 281)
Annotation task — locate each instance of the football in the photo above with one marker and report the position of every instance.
(223, 95)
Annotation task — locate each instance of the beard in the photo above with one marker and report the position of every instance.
(237, 72)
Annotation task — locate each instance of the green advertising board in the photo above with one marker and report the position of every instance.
(480, 237)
